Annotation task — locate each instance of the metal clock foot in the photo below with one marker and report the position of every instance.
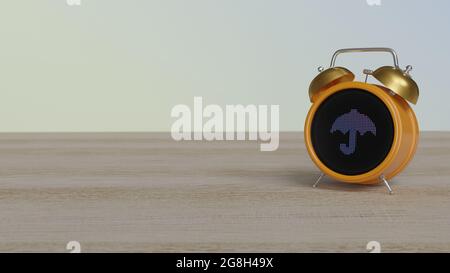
(382, 178)
(318, 180)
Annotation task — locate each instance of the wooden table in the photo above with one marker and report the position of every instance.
(144, 192)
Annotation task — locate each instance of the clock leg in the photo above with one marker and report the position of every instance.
(318, 180)
(382, 178)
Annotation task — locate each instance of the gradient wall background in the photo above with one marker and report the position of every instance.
(111, 65)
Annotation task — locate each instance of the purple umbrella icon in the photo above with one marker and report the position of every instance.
(353, 122)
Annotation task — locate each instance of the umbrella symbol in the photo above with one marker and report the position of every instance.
(353, 122)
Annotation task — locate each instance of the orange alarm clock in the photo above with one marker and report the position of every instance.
(358, 132)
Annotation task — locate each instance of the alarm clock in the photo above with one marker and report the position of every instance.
(359, 132)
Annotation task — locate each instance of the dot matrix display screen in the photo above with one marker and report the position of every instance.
(352, 132)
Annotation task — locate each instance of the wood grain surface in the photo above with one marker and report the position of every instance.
(144, 192)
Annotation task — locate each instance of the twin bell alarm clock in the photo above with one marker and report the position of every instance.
(358, 132)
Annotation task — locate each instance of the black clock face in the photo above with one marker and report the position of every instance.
(352, 132)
